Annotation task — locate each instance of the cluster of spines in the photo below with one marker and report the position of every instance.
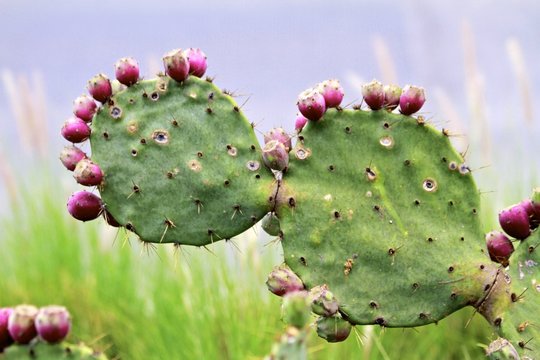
(83, 205)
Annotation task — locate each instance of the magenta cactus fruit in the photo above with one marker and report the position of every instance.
(84, 206)
(100, 88)
(499, 247)
(279, 135)
(21, 325)
(127, 71)
(323, 302)
(332, 92)
(110, 219)
(75, 130)
(333, 329)
(275, 155)
(311, 104)
(283, 280)
(373, 94)
(70, 156)
(84, 107)
(296, 310)
(88, 173)
(176, 65)
(53, 323)
(300, 122)
(5, 337)
(533, 211)
(197, 61)
(392, 94)
(515, 221)
(411, 100)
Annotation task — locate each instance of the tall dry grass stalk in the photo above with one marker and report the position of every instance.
(384, 59)
(515, 53)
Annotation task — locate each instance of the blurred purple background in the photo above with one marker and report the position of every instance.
(476, 59)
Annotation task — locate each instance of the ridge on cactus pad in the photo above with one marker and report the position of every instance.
(181, 162)
(374, 206)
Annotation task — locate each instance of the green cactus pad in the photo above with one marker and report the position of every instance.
(44, 351)
(514, 307)
(181, 162)
(380, 207)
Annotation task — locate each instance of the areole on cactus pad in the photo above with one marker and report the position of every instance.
(372, 205)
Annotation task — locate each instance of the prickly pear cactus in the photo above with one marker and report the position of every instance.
(44, 351)
(381, 208)
(181, 163)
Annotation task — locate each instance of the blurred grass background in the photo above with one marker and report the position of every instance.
(137, 302)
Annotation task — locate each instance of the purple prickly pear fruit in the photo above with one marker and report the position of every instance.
(70, 156)
(53, 323)
(295, 310)
(75, 130)
(283, 280)
(411, 100)
(176, 65)
(392, 95)
(127, 71)
(275, 155)
(84, 107)
(5, 337)
(311, 104)
(110, 219)
(373, 94)
(332, 92)
(333, 329)
(21, 325)
(515, 222)
(88, 173)
(499, 247)
(300, 122)
(323, 302)
(279, 135)
(197, 61)
(84, 206)
(533, 211)
(100, 88)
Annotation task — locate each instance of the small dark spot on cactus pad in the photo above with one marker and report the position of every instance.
(116, 112)
(253, 147)
(450, 269)
(331, 168)
(292, 202)
(226, 183)
(257, 176)
(210, 232)
(301, 138)
(136, 189)
(174, 122)
(429, 185)
(451, 203)
(211, 96)
(376, 208)
(253, 165)
(209, 110)
(106, 135)
(67, 350)
(253, 219)
(143, 141)
(129, 226)
(170, 174)
(453, 296)
(380, 321)
(386, 125)
(430, 239)
(144, 95)
(199, 154)
(270, 198)
(407, 162)
(416, 202)
(348, 130)
(154, 96)
(462, 238)
(474, 211)
(133, 152)
(32, 353)
(160, 136)
(110, 102)
(497, 321)
(415, 286)
(443, 159)
(194, 165)
(131, 101)
(423, 316)
(356, 107)
(303, 261)
(209, 79)
(337, 215)
(391, 251)
(236, 108)
(373, 305)
(370, 174)
(482, 267)
(531, 249)
(169, 223)
(236, 207)
(514, 297)
(487, 287)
